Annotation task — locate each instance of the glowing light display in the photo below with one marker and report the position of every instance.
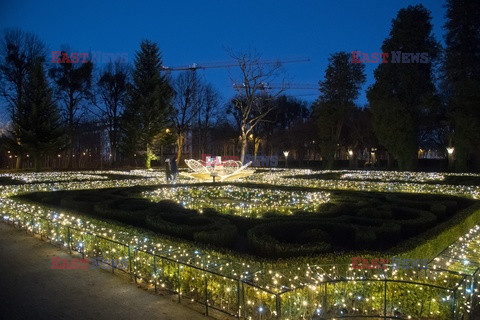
(256, 289)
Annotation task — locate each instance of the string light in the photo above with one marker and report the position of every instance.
(242, 201)
(300, 283)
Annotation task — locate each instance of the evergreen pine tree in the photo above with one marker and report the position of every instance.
(462, 78)
(338, 92)
(36, 124)
(148, 103)
(404, 94)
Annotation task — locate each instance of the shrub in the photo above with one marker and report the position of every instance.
(243, 224)
(181, 226)
(451, 206)
(352, 221)
(341, 232)
(375, 213)
(341, 209)
(130, 210)
(220, 236)
(430, 243)
(415, 221)
(365, 238)
(400, 200)
(271, 239)
(83, 201)
(440, 210)
(312, 235)
(387, 234)
(189, 225)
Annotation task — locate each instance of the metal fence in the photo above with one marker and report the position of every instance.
(343, 298)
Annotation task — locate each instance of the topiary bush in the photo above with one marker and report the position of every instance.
(351, 221)
(365, 238)
(224, 235)
(375, 213)
(84, 201)
(312, 235)
(387, 234)
(288, 239)
(413, 221)
(440, 210)
(130, 210)
(171, 219)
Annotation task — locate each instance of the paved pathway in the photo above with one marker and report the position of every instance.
(30, 289)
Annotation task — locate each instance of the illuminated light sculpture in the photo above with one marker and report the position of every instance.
(449, 286)
(223, 170)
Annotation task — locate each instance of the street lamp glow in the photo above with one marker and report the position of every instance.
(285, 153)
(350, 152)
(450, 150)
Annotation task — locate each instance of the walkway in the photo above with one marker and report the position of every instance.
(30, 289)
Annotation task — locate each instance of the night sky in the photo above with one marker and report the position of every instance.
(199, 31)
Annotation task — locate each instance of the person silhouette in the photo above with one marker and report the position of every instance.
(168, 170)
(174, 168)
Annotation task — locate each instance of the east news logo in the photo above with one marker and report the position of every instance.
(396, 57)
(84, 57)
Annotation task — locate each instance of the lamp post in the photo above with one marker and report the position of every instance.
(351, 159)
(285, 153)
(450, 151)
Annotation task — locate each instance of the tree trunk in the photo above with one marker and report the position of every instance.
(113, 146)
(329, 161)
(390, 161)
(244, 147)
(148, 157)
(476, 161)
(18, 163)
(352, 159)
(113, 160)
(255, 150)
(70, 150)
(37, 162)
(414, 161)
(180, 147)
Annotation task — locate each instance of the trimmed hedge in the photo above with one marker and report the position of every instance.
(171, 219)
(430, 243)
(130, 210)
(352, 221)
(417, 221)
(224, 235)
(84, 201)
(269, 239)
(376, 213)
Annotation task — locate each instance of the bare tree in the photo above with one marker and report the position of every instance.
(73, 88)
(112, 90)
(252, 103)
(187, 101)
(18, 50)
(207, 115)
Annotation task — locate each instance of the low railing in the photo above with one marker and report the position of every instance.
(346, 298)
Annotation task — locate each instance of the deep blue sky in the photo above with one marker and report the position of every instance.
(199, 31)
